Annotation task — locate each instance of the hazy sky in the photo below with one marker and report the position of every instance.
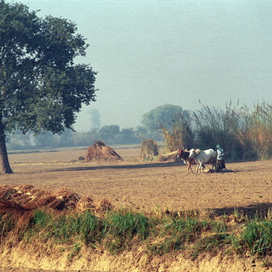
(149, 53)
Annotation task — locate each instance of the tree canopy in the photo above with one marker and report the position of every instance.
(41, 88)
(162, 115)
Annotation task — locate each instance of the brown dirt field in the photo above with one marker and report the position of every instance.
(145, 186)
(142, 186)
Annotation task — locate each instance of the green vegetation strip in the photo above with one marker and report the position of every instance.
(158, 234)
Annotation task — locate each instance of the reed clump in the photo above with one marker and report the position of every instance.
(178, 133)
(244, 133)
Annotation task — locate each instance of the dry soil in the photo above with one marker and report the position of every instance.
(144, 185)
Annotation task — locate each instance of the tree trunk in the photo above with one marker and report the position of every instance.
(3, 152)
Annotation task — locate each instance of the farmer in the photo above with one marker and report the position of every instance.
(220, 164)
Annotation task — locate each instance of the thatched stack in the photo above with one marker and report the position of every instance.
(26, 197)
(100, 151)
(149, 149)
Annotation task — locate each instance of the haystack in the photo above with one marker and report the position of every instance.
(23, 198)
(100, 151)
(149, 149)
(18, 203)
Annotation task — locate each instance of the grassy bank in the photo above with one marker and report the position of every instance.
(157, 233)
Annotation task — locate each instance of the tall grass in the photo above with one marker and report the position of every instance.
(190, 232)
(260, 132)
(224, 127)
(120, 227)
(178, 133)
(242, 132)
(257, 237)
(62, 227)
(126, 224)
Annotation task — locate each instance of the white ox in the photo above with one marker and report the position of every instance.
(204, 157)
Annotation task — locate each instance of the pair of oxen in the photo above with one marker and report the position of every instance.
(202, 158)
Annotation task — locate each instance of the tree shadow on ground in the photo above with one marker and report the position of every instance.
(259, 210)
(135, 166)
(121, 166)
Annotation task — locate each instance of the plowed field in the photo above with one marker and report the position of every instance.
(145, 186)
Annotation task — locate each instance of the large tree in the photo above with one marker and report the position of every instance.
(161, 116)
(40, 86)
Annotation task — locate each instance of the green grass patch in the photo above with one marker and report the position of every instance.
(120, 227)
(256, 237)
(157, 234)
(63, 228)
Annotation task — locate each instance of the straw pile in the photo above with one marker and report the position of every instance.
(171, 156)
(149, 149)
(100, 151)
(26, 198)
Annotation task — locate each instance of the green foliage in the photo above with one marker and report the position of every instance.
(128, 224)
(160, 234)
(62, 228)
(211, 243)
(109, 133)
(182, 232)
(89, 227)
(241, 132)
(189, 228)
(41, 219)
(177, 233)
(153, 119)
(121, 226)
(40, 86)
(212, 127)
(68, 138)
(257, 237)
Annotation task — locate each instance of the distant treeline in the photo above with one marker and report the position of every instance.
(243, 133)
(109, 134)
